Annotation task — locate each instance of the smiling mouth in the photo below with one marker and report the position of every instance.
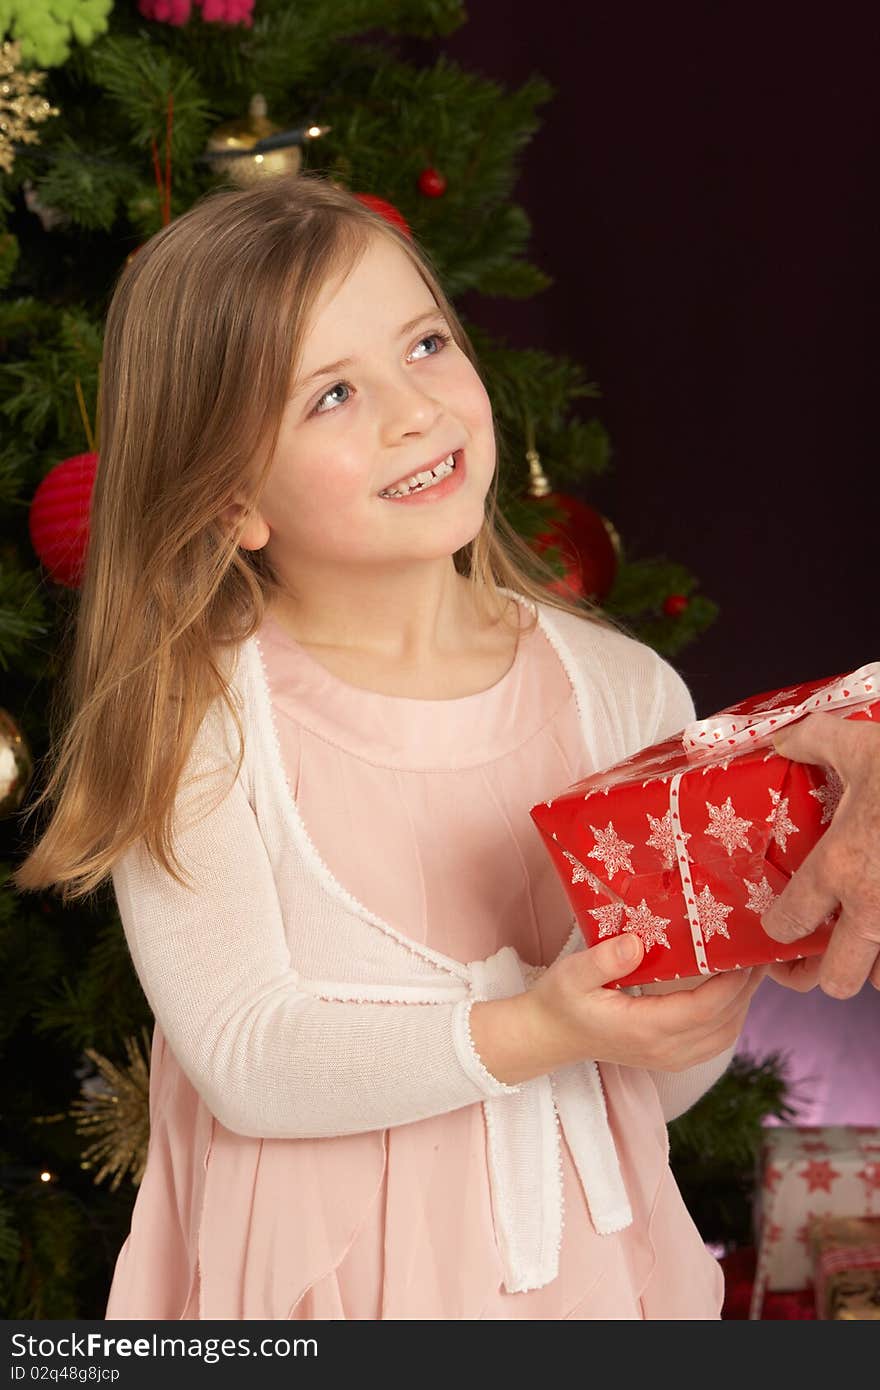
(419, 482)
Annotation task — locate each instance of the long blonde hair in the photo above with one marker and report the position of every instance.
(205, 325)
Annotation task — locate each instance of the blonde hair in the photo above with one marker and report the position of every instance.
(205, 325)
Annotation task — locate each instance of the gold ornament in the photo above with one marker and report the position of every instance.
(16, 765)
(225, 143)
(117, 1109)
(20, 108)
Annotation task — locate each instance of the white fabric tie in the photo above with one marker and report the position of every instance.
(525, 1157)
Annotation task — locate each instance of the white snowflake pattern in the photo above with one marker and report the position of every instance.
(611, 850)
(782, 697)
(782, 825)
(609, 918)
(643, 922)
(761, 895)
(581, 874)
(713, 915)
(829, 794)
(662, 837)
(727, 827)
(722, 763)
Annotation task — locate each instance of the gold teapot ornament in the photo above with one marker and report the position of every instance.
(252, 149)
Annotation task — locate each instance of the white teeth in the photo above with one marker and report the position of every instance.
(419, 481)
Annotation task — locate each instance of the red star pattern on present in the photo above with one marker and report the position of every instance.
(773, 1233)
(803, 1232)
(870, 1176)
(819, 1175)
(771, 1177)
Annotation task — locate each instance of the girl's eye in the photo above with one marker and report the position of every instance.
(439, 337)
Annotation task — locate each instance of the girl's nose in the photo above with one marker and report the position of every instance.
(406, 409)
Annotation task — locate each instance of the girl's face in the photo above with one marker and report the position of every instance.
(405, 400)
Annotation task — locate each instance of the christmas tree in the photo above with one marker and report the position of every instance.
(114, 123)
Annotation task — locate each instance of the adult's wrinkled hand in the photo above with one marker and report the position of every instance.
(842, 869)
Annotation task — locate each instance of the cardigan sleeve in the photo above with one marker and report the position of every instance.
(679, 1090)
(269, 1058)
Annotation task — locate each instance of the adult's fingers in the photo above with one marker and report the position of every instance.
(851, 958)
(801, 974)
(804, 903)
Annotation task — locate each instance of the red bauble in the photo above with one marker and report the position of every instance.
(386, 210)
(58, 520)
(587, 544)
(675, 604)
(432, 183)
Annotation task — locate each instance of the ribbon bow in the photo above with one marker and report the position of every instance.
(738, 729)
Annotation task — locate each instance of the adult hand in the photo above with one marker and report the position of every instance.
(843, 868)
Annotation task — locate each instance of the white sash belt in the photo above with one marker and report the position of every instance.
(525, 1157)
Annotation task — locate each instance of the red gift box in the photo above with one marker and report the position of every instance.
(688, 842)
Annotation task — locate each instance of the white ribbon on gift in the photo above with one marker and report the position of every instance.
(525, 1157)
(861, 687)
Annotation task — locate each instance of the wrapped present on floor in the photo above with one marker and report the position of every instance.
(846, 1266)
(807, 1172)
(688, 842)
(738, 1266)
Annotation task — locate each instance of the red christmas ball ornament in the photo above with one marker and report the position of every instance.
(58, 519)
(675, 604)
(386, 210)
(588, 544)
(432, 183)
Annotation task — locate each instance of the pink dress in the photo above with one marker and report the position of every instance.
(421, 809)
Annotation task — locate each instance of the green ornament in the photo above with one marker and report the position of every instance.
(45, 28)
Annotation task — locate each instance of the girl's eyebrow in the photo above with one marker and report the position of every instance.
(435, 313)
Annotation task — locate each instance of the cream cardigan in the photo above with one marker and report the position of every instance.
(272, 984)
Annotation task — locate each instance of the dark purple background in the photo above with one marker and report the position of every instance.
(703, 191)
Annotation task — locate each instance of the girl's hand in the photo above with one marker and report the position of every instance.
(573, 1018)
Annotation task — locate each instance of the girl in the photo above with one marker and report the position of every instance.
(313, 694)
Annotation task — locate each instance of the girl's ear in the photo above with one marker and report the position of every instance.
(256, 531)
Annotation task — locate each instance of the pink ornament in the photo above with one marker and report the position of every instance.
(227, 11)
(178, 12)
(166, 11)
(58, 520)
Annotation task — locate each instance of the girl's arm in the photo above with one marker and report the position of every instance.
(269, 1057)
